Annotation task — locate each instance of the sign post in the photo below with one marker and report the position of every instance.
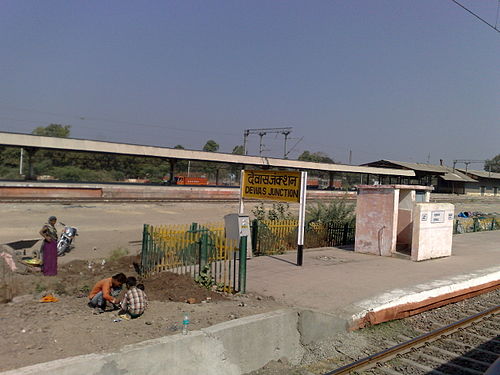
(302, 214)
(242, 208)
(283, 186)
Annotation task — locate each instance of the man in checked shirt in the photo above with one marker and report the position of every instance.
(134, 302)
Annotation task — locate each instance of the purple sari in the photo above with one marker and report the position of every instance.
(49, 267)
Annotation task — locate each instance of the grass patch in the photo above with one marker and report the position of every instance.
(118, 253)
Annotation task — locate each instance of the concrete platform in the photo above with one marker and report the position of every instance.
(75, 191)
(361, 289)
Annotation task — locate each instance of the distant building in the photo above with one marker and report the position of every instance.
(488, 183)
(444, 179)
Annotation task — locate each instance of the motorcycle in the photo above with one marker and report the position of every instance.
(65, 242)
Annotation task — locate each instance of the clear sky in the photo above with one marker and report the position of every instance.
(387, 79)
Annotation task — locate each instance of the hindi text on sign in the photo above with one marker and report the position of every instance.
(273, 185)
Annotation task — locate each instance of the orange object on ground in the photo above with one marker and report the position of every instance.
(49, 298)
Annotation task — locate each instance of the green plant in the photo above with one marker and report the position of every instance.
(118, 253)
(205, 277)
(39, 288)
(279, 211)
(338, 210)
(221, 287)
(259, 211)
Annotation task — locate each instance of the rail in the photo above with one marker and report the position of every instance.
(387, 354)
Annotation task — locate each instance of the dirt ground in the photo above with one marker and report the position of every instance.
(34, 332)
(104, 228)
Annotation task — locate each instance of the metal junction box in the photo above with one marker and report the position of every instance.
(237, 226)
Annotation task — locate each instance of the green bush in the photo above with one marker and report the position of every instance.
(9, 173)
(205, 278)
(279, 211)
(71, 173)
(337, 210)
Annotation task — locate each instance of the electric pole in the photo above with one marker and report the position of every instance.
(261, 133)
(467, 162)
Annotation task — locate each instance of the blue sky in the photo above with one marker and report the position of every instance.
(393, 79)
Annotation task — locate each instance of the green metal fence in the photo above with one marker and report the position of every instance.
(202, 252)
(475, 224)
(278, 236)
(273, 236)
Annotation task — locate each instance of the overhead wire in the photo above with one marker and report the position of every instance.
(137, 124)
(478, 17)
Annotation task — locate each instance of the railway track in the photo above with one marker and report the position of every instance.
(468, 346)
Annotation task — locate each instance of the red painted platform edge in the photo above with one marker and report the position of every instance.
(409, 309)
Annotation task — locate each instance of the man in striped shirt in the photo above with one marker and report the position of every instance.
(134, 302)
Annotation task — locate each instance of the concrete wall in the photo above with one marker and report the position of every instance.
(253, 341)
(123, 191)
(316, 325)
(49, 192)
(432, 230)
(376, 221)
(489, 186)
(231, 348)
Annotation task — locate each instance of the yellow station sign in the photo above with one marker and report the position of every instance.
(281, 186)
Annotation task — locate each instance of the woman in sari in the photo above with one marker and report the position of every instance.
(49, 247)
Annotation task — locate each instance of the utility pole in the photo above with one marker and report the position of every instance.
(467, 162)
(285, 133)
(245, 136)
(350, 157)
(261, 133)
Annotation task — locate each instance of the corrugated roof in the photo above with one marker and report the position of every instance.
(483, 174)
(422, 167)
(454, 175)
(446, 173)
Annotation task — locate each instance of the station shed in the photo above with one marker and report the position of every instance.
(444, 179)
(487, 183)
(394, 220)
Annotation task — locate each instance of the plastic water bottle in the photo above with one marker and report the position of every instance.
(185, 324)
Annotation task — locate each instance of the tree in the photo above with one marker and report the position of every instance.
(211, 146)
(493, 163)
(238, 150)
(179, 147)
(316, 157)
(53, 130)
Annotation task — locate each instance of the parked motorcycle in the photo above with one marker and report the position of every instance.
(65, 243)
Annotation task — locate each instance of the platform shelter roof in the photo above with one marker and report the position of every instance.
(86, 145)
